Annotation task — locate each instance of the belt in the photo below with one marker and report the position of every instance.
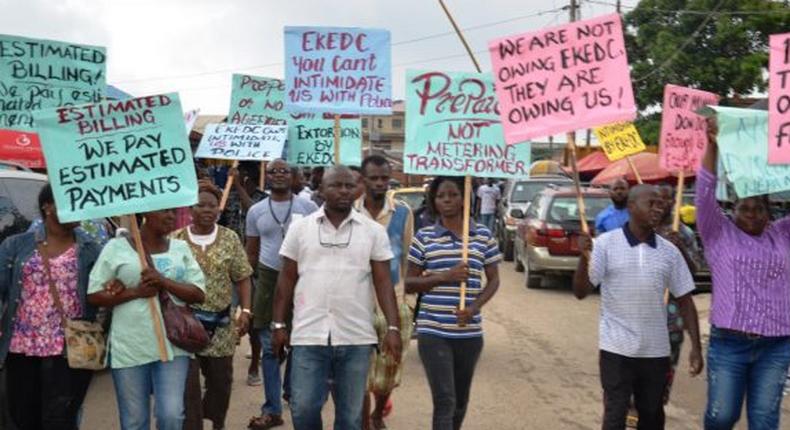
(750, 336)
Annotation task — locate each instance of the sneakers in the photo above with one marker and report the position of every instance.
(254, 379)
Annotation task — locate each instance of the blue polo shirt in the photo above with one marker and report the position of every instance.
(610, 219)
(436, 249)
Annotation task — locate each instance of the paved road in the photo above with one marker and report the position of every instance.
(538, 370)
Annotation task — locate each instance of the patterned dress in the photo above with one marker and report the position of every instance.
(37, 330)
(224, 263)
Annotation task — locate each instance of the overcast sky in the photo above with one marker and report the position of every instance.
(193, 47)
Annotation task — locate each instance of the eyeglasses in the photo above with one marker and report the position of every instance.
(341, 245)
(280, 171)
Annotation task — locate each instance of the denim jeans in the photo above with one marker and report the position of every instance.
(272, 381)
(449, 366)
(739, 366)
(488, 221)
(133, 388)
(313, 368)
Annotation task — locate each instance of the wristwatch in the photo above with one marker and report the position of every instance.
(277, 325)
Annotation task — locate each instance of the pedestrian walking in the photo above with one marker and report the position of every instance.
(450, 339)
(43, 282)
(749, 259)
(119, 282)
(335, 262)
(616, 214)
(633, 267)
(221, 257)
(267, 224)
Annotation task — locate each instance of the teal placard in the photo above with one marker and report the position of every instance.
(41, 74)
(453, 128)
(311, 141)
(743, 150)
(259, 100)
(118, 157)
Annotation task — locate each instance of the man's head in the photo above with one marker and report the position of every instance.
(297, 183)
(248, 175)
(360, 191)
(316, 176)
(619, 193)
(490, 182)
(376, 173)
(338, 187)
(667, 194)
(278, 175)
(645, 206)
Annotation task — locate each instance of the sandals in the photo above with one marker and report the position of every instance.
(265, 422)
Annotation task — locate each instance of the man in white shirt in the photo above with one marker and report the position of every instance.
(488, 195)
(334, 262)
(633, 267)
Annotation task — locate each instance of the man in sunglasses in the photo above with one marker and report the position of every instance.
(267, 223)
(336, 262)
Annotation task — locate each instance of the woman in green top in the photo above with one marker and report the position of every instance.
(119, 282)
(221, 255)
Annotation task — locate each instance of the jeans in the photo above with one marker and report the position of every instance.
(488, 221)
(449, 366)
(167, 382)
(270, 370)
(313, 368)
(740, 366)
(644, 378)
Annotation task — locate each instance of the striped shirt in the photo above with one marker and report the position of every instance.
(632, 276)
(751, 274)
(436, 249)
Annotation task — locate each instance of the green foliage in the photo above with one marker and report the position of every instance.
(724, 51)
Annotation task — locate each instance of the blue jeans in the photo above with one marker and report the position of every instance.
(739, 366)
(313, 368)
(133, 388)
(272, 381)
(488, 221)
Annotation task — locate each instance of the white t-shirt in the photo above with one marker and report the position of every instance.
(488, 194)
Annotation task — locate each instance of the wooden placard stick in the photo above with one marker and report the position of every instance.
(262, 177)
(678, 201)
(152, 305)
(337, 139)
(633, 169)
(228, 185)
(571, 137)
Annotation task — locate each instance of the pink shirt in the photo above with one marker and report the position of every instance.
(751, 274)
(37, 330)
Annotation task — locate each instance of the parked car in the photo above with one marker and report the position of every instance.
(19, 191)
(412, 196)
(514, 204)
(547, 239)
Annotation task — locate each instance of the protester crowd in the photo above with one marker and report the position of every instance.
(317, 276)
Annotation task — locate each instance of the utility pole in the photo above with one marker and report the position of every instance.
(618, 6)
(574, 8)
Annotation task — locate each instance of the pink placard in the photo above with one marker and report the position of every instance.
(683, 132)
(779, 100)
(562, 79)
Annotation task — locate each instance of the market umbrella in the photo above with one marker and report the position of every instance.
(645, 162)
(546, 167)
(593, 163)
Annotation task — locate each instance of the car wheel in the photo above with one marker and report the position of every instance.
(508, 250)
(533, 280)
(517, 259)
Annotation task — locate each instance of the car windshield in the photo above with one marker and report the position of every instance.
(525, 191)
(567, 208)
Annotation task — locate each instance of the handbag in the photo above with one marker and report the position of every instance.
(182, 328)
(85, 341)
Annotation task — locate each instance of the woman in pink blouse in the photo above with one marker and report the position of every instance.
(749, 259)
(45, 394)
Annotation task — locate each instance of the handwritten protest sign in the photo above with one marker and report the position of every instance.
(683, 131)
(562, 79)
(779, 100)
(256, 100)
(22, 148)
(117, 157)
(311, 141)
(190, 118)
(342, 70)
(619, 140)
(40, 74)
(453, 128)
(242, 142)
(744, 154)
